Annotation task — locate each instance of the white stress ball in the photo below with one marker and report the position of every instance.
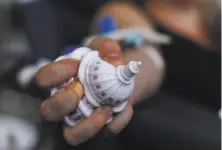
(74, 117)
(83, 110)
(105, 84)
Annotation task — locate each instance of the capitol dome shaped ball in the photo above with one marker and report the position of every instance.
(105, 84)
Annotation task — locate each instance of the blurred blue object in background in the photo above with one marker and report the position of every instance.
(135, 38)
(107, 24)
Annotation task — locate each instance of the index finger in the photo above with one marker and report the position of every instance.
(57, 73)
(61, 71)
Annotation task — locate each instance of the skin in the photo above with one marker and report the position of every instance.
(120, 10)
(62, 103)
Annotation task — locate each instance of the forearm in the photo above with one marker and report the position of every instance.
(126, 15)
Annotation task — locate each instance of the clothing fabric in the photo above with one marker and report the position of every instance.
(192, 71)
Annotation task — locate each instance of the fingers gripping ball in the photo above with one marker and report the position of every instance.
(104, 84)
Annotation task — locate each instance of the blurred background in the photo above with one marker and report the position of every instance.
(23, 46)
(21, 126)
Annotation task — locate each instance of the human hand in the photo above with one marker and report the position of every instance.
(64, 102)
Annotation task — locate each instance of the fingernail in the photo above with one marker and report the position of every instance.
(113, 58)
(47, 113)
(106, 110)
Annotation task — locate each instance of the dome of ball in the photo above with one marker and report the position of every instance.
(104, 83)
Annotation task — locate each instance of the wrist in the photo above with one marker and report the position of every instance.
(149, 80)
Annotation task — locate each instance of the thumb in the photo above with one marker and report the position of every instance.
(109, 50)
